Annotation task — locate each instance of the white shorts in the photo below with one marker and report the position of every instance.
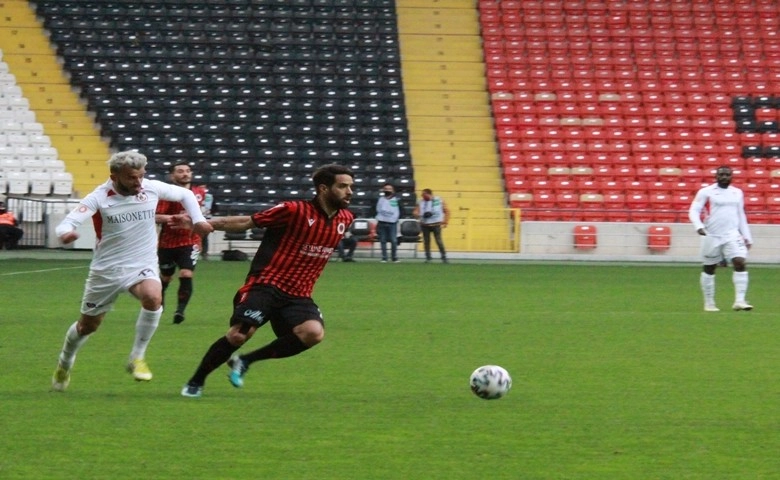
(717, 249)
(103, 287)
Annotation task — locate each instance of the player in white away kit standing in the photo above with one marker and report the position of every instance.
(725, 236)
(125, 256)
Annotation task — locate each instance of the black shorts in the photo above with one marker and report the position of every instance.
(264, 303)
(183, 257)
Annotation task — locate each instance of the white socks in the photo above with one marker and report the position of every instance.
(144, 329)
(707, 283)
(73, 341)
(740, 280)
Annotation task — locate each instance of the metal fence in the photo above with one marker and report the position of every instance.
(38, 217)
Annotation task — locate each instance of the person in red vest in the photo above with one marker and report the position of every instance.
(10, 233)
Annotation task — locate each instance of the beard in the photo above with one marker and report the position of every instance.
(124, 190)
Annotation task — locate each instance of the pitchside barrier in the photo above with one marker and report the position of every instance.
(516, 240)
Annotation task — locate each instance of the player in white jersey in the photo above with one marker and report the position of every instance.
(125, 256)
(718, 215)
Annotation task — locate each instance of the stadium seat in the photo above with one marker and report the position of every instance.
(513, 184)
(592, 207)
(521, 200)
(409, 231)
(755, 203)
(587, 185)
(40, 183)
(18, 182)
(567, 200)
(564, 186)
(585, 237)
(631, 187)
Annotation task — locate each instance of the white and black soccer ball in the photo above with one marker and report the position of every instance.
(490, 382)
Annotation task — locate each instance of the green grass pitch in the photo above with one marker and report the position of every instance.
(618, 374)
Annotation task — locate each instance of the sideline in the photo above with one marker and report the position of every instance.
(44, 254)
(8, 274)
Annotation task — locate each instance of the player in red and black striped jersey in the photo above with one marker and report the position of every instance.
(299, 238)
(178, 247)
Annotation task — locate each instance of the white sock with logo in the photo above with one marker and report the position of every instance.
(72, 344)
(145, 327)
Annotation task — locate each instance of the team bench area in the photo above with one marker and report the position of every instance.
(364, 229)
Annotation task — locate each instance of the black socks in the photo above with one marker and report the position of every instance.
(282, 347)
(219, 353)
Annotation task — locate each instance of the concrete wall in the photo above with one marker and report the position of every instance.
(628, 242)
(538, 240)
(555, 241)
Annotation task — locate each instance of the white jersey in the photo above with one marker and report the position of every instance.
(124, 225)
(724, 212)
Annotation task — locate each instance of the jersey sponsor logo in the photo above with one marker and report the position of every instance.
(316, 250)
(141, 216)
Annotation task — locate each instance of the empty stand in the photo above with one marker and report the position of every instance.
(289, 82)
(27, 159)
(645, 93)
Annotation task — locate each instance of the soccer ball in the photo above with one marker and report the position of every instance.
(490, 382)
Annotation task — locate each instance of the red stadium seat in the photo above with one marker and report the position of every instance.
(542, 186)
(773, 204)
(755, 203)
(682, 201)
(615, 206)
(565, 186)
(607, 187)
(567, 200)
(634, 186)
(659, 186)
(512, 170)
(636, 201)
(536, 172)
(585, 237)
(659, 238)
(544, 200)
(614, 201)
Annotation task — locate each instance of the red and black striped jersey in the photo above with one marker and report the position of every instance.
(178, 237)
(299, 239)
